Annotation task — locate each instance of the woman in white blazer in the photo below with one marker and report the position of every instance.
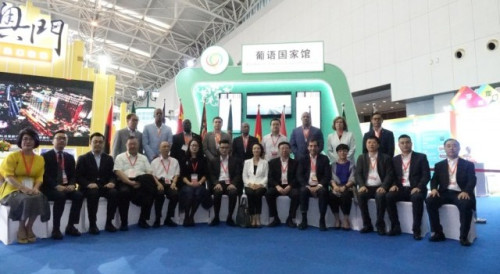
(340, 136)
(255, 180)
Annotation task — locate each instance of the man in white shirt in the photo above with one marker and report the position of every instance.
(271, 141)
(136, 183)
(453, 182)
(374, 176)
(167, 171)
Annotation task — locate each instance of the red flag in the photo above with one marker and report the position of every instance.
(203, 126)
(108, 130)
(258, 126)
(282, 122)
(180, 128)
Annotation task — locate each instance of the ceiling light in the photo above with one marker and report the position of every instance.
(190, 63)
(93, 23)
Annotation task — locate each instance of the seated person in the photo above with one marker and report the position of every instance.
(374, 177)
(136, 183)
(282, 180)
(225, 178)
(341, 187)
(255, 172)
(59, 185)
(314, 175)
(453, 182)
(166, 170)
(94, 174)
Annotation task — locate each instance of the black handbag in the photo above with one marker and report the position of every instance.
(243, 216)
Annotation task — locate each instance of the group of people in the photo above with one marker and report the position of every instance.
(191, 171)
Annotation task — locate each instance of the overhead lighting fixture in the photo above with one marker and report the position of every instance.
(190, 63)
(94, 23)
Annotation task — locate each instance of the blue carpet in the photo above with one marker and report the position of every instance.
(223, 249)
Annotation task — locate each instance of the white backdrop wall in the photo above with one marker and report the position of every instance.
(409, 44)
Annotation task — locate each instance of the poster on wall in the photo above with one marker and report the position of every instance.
(225, 100)
(308, 101)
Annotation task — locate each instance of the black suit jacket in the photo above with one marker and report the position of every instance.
(50, 174)
(274, 175)
(466, 176)
(235, 171)
(419, 173)
(323, 171)
(177, 143)
(386, 141)
(87, 172)
(384, 168)
(239, 150)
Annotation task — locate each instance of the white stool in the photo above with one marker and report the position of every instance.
(450, 221)
(8, 231)
(405, 215)
(224, 210)
(101, 215)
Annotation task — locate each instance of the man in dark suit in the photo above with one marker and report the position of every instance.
(412, 174)
(94, 173)
(121, 136)
(180, 141)
(59, 185)
(282, 180)
(385, 136)
(301, 135)
(374, 176)
(242, 145)
(225, 178)
(453, 182)
(314, 176)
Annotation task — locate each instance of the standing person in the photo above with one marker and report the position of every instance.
(340, 136)
(181, 140)
(193, 178)
(59, 185)
(213, 138)
(271, 141)
(154, 134)
(94, 174)
(255, 172)
(23, 173)
(121, 136)
(374, 176)
(453, 182)
(225, 178)
(385, 136)
(136, 184)
(412, 174)
(301, 136)
(342, 185)
(166, 170)
(314, 175)
(282, 180)
(242, 145)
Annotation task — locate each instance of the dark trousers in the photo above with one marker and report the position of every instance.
(417, 203)
(465, 208)
(139, 196)
(255, 199)
(191, 198)
(271, 196)
(93, 194)
(59, 198)
(342, 202)
(321, 194)
(363, 198)
(232, 195)
(173, 198)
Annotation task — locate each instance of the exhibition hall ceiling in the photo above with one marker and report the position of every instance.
(147, 41)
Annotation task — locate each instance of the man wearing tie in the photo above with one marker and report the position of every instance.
(59, 185)
(181, 140)
(225, 178)
(301, 135)
(94, 173)
(242, 145)
(453, 182)
(153, 134)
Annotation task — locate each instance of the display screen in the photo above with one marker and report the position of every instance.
(271, 104)
(47, 105)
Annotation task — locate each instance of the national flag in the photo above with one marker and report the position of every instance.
(230, 120)
(282, 122)
(343, 111)
(258, 125)
(203, 125)
(180, 118)
(163, 118)
(108, 130)
(133, 107)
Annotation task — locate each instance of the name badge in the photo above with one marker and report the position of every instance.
(131, 173)
(274, 153)
(167, 181)
(184, 147)
(28, 182)
(194, 178)
(227, 182)
(284, 181)
(64, 178)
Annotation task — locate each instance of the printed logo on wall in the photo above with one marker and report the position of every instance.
(214, 60)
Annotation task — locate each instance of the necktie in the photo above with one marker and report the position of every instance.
(59, 167)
